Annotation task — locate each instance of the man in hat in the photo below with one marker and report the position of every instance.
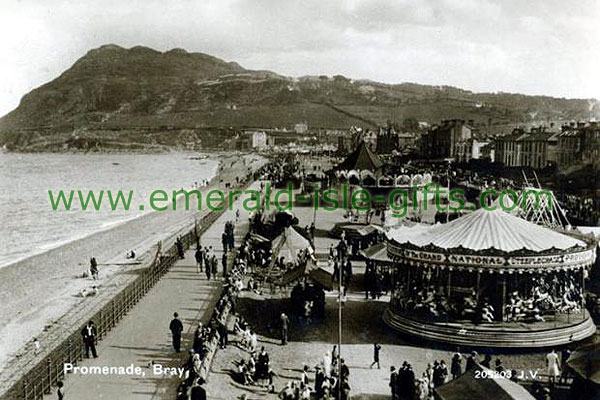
(394, 382)
(285, 321)
(199, 256)
(410, 382)
(472, 361)
(89, 333)
(176, 327)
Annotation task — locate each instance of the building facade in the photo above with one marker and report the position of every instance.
(452, 139)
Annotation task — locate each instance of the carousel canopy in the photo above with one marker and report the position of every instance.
(484, 229)
(467, 386)
(290, 243)
(492, 240)
(360, 159)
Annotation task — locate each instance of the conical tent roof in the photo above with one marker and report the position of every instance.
(360, 159)
(467, 386)
(585, 362)
(290, 243)
(485, 229)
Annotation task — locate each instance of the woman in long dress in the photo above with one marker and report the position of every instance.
(552, 365)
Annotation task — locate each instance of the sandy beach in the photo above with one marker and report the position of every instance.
(36, 291)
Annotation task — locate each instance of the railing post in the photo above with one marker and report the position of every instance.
(25, 389)
(69, 359)
(49, 370)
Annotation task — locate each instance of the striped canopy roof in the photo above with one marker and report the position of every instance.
(484, 229)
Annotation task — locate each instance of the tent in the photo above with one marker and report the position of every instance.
(360, 159)
(289, 244)
(311, 271)
(467, 386)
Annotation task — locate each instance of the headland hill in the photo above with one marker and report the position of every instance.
(143, 100)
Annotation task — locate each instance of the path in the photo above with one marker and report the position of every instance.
(142, 336)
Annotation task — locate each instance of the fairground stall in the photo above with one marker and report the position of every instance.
(490, 279)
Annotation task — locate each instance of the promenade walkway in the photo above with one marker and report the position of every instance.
(143, 336)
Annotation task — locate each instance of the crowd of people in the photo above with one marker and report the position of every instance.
(582, 210)
(405, 384)
(377, 281)
(215, 334)
(329, 381)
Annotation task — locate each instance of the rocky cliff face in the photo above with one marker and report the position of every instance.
(141, 95)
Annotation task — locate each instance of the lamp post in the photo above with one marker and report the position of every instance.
(340, 331)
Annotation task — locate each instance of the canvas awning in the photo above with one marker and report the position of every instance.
(585, 362)
(377, 253)
(353, 230)
(316, 274)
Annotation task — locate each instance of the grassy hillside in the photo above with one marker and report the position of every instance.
(116, 94)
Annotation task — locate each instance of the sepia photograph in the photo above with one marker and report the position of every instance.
(300, 200)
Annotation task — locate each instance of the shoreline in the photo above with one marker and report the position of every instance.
(34, 297)
(216, 157)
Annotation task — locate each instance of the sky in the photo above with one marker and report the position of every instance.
(548, 47)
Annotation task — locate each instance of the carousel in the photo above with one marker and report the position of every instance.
(490, 279)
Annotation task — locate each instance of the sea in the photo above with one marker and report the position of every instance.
(29, 225)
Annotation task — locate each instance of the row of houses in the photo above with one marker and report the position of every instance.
(573, 144)
(457, 140)
(538, 147)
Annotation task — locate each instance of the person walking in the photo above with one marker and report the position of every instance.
(60, 393)
(456, 367)
(208, 268)
(94, 268)
(553, 369)
(285, 321)
(376, 350)
(394, 382)
(214, 265)
(224, 240)
(199, 256)
(176, 327)
(89, 333)
(179, 246)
